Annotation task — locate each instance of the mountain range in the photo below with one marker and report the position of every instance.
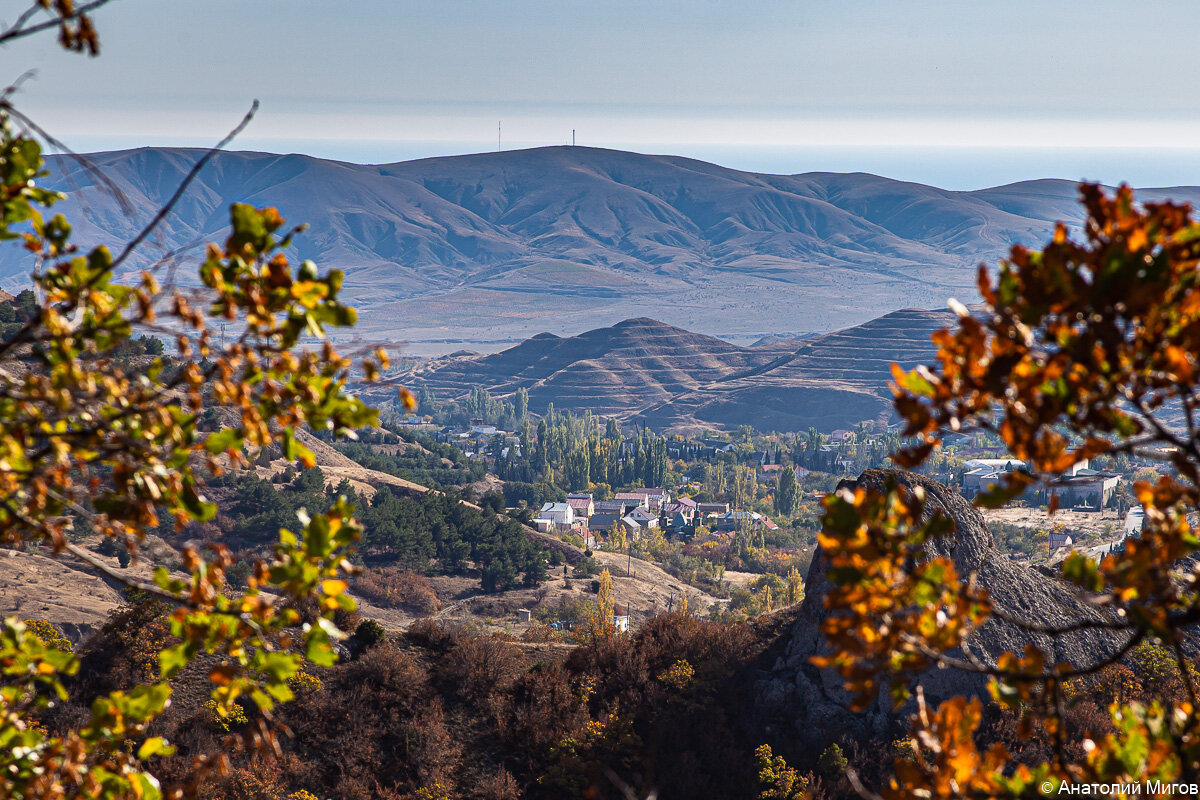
(672, 379)
(486, 250)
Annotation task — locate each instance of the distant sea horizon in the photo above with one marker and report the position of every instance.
(951, 168)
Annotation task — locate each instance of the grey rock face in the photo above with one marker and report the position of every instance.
(807, 705)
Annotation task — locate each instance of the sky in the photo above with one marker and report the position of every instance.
(959, 94)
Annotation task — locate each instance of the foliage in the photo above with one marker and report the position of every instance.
(1085, 348)
(776, 780)
(571, 452)
(89, 438)
(412, 531)
(48, 634)
(448, 703)
(369, 633)
(598, 623)
(438, 469)
(679, 674)
(223, 718)
(787, 495)
(304, 682)
(832, 762)
(388, 587)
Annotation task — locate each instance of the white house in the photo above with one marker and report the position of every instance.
(644, 517)
(1085, 487)
(980, 473)
(558, 514)
(1059, 539)
(583, 504)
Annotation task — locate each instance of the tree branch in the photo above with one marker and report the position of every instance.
(21, 28)
(200, 164)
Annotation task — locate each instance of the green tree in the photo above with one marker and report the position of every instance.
(86, 440)
(832, 763)
(521, 404)
(787, 495)
(577, 471)
(776, 780)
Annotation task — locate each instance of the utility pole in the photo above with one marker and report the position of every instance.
(572, 137)
(498, 148)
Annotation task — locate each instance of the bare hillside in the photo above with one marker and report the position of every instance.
(676, 379)
(485, 250)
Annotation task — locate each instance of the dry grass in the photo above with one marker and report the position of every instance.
(1084, 522)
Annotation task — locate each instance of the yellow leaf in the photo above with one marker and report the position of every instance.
(333, 587)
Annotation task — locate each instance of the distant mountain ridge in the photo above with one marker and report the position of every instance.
(497, 246)
(673, 379)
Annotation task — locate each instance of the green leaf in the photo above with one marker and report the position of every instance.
(173, 659)
(224, 440)
(196, 505)
(287, 438)
(1083, 572)
(154, 746)
(148, 784)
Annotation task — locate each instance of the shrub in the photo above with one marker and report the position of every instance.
(481, 664)
(370, 633)
(48, 634)
(237, 575)
(409, 590)
(431, 633)
(500, 785)
(221, 719)
(776, 780)
(541, 632)
(305, 682)
(832, 763)
(678, 675)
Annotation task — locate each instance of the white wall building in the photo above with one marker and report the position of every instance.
(558, 514)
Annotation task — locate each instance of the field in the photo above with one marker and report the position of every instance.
(1105, 525)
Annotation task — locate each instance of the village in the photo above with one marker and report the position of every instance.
(728, 484)
(638, 511)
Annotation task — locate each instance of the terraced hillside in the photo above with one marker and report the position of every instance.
(832, 381)
(674, 379)
(616, 371)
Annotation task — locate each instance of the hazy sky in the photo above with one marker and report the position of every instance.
(961, 94)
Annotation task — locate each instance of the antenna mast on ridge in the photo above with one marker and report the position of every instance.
(498, 136)
(572, 137)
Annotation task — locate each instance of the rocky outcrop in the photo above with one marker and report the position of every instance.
(808, 706)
